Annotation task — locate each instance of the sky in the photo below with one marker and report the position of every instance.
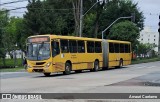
(150, 8)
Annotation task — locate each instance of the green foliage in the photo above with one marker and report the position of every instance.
(145, 60)
(3, 24)
(14, 35)
(17, 69)
(144, 48)
(11, 30)
(89, 24)
(48, 17)
(91, 29)
(62, 17)
(126, 31)
(10, 62)
(119, 8)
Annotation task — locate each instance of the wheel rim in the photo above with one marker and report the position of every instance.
(121, 63)
(96, 66)
(67, 68)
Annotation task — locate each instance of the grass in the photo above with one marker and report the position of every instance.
(145, 60)
(17, 69)
(10, 62)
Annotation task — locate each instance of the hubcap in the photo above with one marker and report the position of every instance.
(96, 66)
(67, 68)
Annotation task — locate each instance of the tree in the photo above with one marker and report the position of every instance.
(92, 18)
(96, 11)
(76, 13)
(33, 18)
(12, 36)
(47, 17)
(3, 24)
(126, 31)
(119, 8)
(143, 49)
(64, 19)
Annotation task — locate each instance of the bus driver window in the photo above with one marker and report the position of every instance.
(55, 48)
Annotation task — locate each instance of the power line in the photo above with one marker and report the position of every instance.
(13, 2)
(40, 9)
(12, 10)
(16, 8)
(151, 14)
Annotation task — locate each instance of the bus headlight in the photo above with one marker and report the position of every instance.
(28, 66)
(48, 64)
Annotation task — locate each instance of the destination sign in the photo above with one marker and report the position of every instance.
(38, 39)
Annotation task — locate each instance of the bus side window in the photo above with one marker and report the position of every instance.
(73, 46)
(90, 46)
(81, 46)
(55, 48)
(64, 46)
(122, 48)
(98, 47)
(116, 46)
(111, 47)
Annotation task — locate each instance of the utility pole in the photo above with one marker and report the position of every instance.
(82, 15)
(159, 37)
(81, 19)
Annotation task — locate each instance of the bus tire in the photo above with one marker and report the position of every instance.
(96, 66)
(67, 69)
(47, 74)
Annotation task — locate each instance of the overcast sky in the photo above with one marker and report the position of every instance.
(150, 8)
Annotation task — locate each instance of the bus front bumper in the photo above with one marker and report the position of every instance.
(42, 70)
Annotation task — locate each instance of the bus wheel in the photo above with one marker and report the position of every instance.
(96, 66)
(67, 69)
(47, 74)
(121, 63)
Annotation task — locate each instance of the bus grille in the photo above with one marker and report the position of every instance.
(38, 70)
(40, 63)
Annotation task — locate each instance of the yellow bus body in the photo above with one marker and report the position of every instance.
(79, 61)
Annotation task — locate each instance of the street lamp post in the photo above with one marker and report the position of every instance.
(113, 23)
(81, 19)
(82, 15)
(159, 37)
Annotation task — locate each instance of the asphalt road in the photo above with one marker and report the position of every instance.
(137, 78)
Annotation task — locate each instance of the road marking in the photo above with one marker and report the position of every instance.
(141, 67)
(152, 67)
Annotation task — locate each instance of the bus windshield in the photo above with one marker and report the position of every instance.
(38, 51)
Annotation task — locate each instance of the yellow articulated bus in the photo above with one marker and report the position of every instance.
(53, 53)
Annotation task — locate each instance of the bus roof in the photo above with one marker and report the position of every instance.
(52, 36)
(118, 41)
